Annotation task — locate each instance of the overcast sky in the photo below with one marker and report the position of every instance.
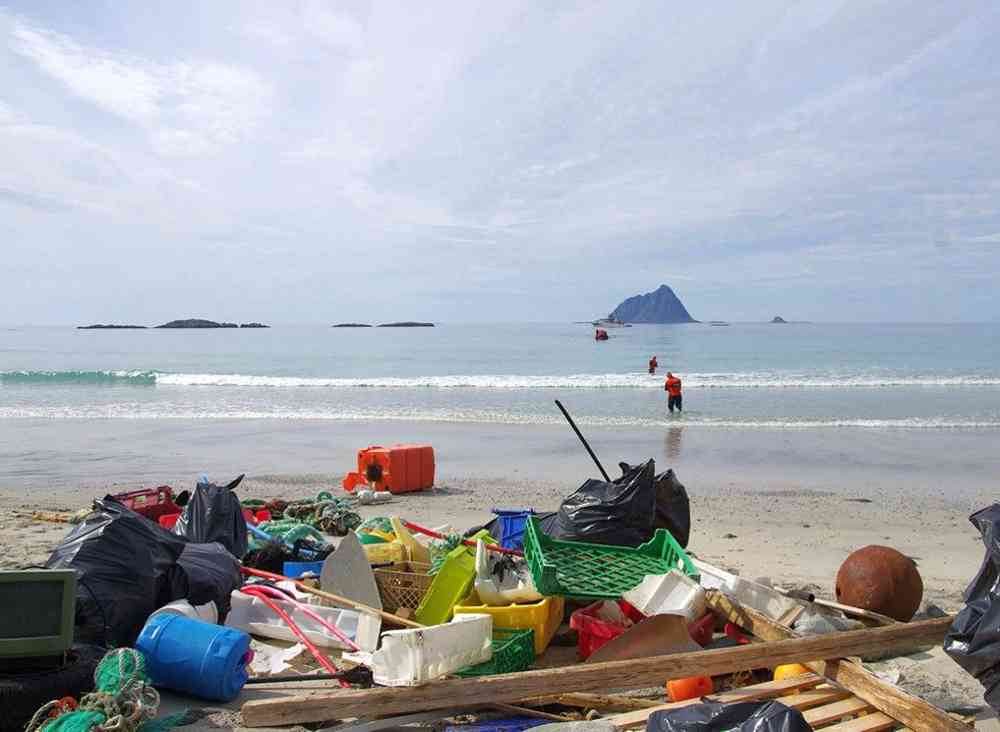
(326, 161)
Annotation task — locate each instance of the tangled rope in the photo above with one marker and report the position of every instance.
(122, 700)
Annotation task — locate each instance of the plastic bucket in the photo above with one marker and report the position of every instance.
(512, 526)
(197, 658)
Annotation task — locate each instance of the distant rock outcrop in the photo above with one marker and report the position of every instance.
(406, 324)
(659, 306)
(110, 326)
(253, 325)
(352, 325)
(778, 319)
(196, 323)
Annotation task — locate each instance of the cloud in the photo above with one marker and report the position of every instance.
(186, 107)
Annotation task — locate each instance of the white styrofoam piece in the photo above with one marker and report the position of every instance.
(673, 592)
(752, 594)
(252, 615)
(415, 656)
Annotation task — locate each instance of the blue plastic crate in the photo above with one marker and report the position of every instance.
(512, 522)
(507, 724)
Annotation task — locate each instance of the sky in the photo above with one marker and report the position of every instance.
(314, 162)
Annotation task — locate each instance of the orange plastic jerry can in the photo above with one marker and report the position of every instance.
(397, 469)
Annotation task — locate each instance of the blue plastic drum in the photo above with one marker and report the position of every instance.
(203, 660)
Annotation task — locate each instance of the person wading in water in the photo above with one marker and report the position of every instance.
(673, 389)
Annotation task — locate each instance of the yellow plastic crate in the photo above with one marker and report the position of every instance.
(391, 553)
(544, 617)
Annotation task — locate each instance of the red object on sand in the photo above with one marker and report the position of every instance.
(701, 630)
(397, 469)
(593, 631)
(150, 502)
(168, 520)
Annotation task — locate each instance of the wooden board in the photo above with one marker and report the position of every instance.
(890, 700)
(636, 673)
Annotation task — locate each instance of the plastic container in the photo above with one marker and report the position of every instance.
(599, 622)
(543, 617)
(294, 570)
(397, 469)
(598, 571)
(513, 651)
(752, 594)
(207, 613)
(150, 502)
(673, 592)
(168, 520)
(403, 585)
(392, 553)
(450, 584)
(419, 552)
(692, 687)
(507, 724)
(368, 538)
(204, 660)
(252, 615)
(415, 656)
(512, 526)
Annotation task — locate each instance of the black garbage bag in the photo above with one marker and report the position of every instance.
(673, 509)
(742, 717)
(128, 566)
(973, 641)
(621, 512)
(214, 513)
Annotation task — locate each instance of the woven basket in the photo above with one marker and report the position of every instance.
(402, 585)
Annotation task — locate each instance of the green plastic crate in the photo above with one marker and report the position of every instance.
(598, 571)
(513, 651)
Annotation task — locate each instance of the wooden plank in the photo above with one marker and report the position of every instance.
(605, 702)
(868, 723)
(633, 673)
(788, 619)
(912, 711)
(836, 711)
(814, 697)
(525, 712)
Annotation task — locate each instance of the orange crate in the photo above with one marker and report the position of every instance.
(398, 469)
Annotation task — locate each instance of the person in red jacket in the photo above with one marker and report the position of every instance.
(653, 365)
(673, 389)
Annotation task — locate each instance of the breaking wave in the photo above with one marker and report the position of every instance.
(767, 380)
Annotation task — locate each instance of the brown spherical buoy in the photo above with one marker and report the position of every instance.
(880, 579)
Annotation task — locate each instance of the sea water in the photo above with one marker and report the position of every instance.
(770, 376)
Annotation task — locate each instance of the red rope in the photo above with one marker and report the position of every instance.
(468, 542)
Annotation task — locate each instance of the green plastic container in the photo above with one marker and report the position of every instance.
(365, 538)
(598, 571)
(513, 651)
(452, 582)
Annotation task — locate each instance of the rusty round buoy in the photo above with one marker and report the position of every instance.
(880, 579)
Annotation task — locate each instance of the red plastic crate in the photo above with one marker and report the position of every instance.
(150, 502)
(168, 520)
(593, 632)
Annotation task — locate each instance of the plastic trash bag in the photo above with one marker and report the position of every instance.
(673, 509)
(621, 512)
(214, 513)
(128, 566)
(742, 717)
(973, 641)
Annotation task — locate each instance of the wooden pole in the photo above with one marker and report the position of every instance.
(912, 711)
(634, 673)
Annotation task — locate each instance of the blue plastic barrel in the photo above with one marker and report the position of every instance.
(294, 570)
(204, 660)
(512, 526)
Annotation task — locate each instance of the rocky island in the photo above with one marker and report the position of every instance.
(110, 326)
(406, 324)
(253, 325)
(196, 323)
(778, 319)
(351, 325)
(659, 306)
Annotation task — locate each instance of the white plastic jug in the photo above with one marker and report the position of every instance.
(673, 592)
(415, 656)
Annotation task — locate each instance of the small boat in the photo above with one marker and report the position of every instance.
(610, 322)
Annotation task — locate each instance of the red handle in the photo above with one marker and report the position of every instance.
(468, 542)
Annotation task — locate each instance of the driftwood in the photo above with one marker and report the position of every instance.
(635, 673)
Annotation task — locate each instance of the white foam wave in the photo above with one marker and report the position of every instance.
(132, 412)
(581, 381)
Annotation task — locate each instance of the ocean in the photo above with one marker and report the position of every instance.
(765, 376)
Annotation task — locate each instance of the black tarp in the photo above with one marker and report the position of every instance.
(128, 566)
(973, 641)
(742, 717)
(214, 513)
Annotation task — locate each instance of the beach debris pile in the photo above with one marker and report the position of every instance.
(546, 616)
